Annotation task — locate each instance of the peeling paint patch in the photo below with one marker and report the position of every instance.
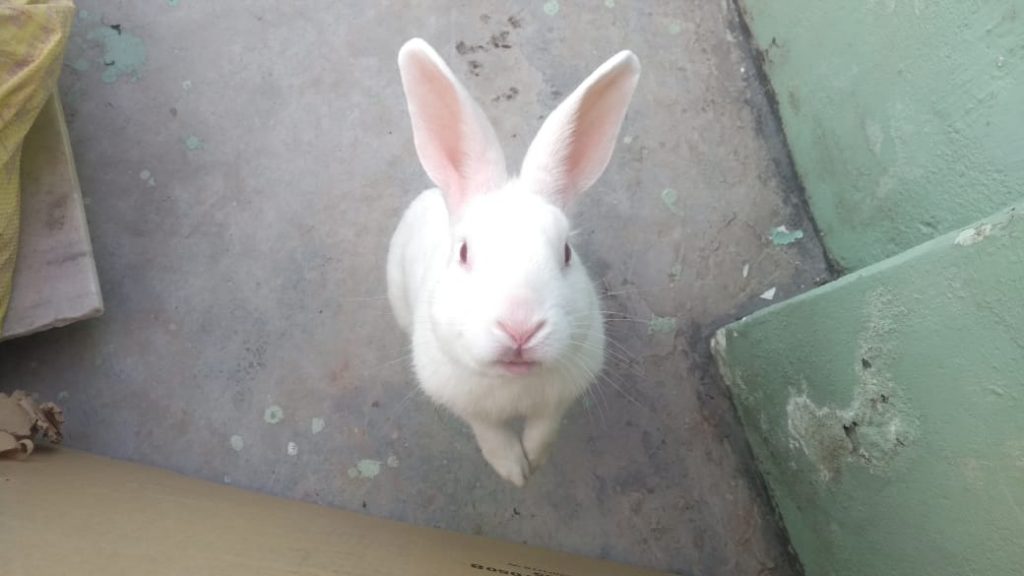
(876, 424)
(674, 274)
(769, 294)
(124, 54)
(671, 199)
(316, 425)
(365, 469)
(193, 143)
(783, 236)
(273, 414)
(237, 442)
(973, 235)
(551, 7)
(662, 325)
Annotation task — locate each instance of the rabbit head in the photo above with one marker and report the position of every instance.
(514, 297)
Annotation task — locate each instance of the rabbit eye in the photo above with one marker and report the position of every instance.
(568, 254)
(464, 254)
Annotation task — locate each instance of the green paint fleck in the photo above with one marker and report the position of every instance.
(674, 274)
(783, 236)
(551, 7)
(671, 199)
(273, 414)
(124, 54)
(367, 469)
(662, 325)
(81, 64)
(193, 143)
(173, 2)
(609, 3)
(675, 27)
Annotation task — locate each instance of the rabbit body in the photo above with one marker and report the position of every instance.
(504, 321)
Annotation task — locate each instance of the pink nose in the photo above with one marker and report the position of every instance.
(520, 333)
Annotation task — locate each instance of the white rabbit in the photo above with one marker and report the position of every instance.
(504, 321)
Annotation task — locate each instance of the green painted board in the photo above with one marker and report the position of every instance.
(905, 118)
(886, 410)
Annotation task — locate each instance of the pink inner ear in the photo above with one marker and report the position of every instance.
(436, 112)
(455, 142)
(575, 143)
(594, 133)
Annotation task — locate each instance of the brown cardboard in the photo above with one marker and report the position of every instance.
(22, 420)
(68, 512)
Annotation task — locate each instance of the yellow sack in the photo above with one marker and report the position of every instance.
(32, 38)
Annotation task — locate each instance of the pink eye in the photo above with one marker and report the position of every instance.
(568, 254)
(464, 253)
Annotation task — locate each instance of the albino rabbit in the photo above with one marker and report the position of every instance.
(504, 321)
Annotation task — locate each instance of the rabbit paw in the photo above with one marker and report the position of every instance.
(503, 451)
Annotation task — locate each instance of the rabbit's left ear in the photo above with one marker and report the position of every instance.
(454, 140)
(575, 143)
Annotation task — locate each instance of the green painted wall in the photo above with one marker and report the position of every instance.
(886, 410)
(894, 110)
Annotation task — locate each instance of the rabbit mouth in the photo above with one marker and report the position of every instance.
(518, 367)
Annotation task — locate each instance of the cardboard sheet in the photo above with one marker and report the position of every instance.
(68, 512)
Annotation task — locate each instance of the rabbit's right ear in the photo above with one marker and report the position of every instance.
(456, 143)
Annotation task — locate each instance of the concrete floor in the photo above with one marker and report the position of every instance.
(244, 164)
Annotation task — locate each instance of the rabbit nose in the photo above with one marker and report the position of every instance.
(521, 333)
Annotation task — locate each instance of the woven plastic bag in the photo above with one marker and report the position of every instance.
(33, 34)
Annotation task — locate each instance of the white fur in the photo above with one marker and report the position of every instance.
(515, 232)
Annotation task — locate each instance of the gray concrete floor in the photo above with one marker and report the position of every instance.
(242, 183)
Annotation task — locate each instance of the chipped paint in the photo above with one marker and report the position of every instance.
(124, 54)
(973, 235)
(551, 7)
(876, 424)
(783, 236)
(292, 449)
(237, 442)
(674, 274)
(769, 294)
(368, 469)
(316, 425)
(662, 325)
(746, 270)
(273, 414)
(671, 199)
(193, 143)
